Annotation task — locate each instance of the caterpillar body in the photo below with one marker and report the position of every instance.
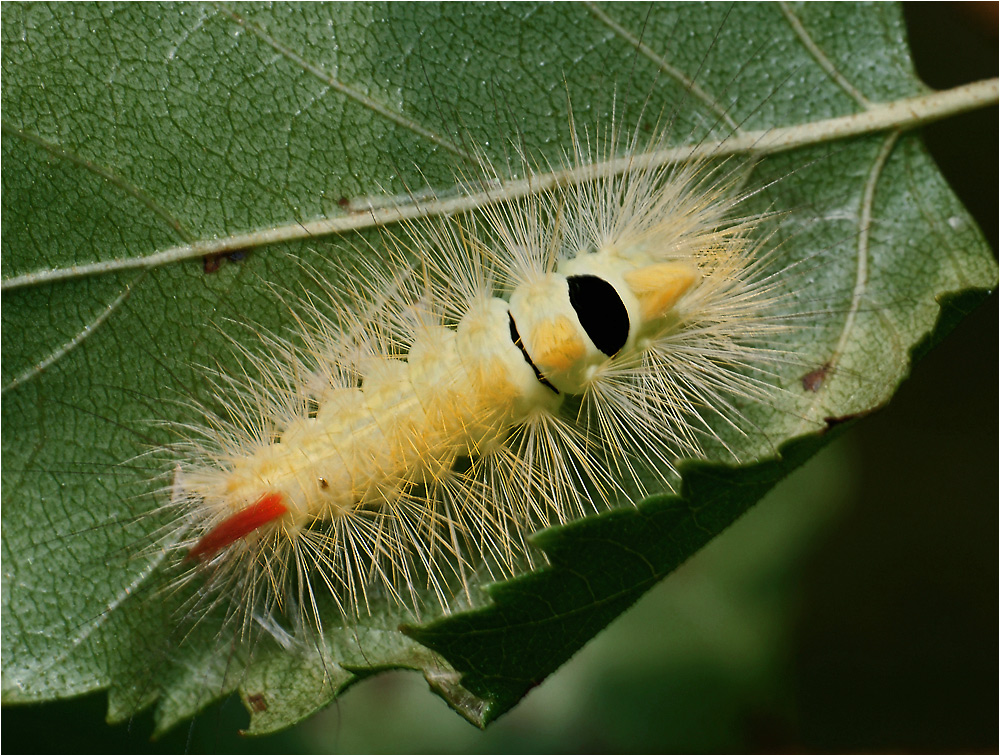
(522, 373)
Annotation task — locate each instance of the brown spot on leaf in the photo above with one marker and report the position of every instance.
(257, 702)
(211, 263)
(814, 380)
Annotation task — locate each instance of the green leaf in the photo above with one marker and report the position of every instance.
(138, 139)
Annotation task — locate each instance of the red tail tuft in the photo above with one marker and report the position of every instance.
(267, 508)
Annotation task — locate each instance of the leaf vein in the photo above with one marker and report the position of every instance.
(347, 90)
(81, 336)
(689, 84)
(899, 115)
(821, 57)
(104, 172)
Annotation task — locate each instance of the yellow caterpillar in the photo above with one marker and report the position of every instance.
(438, 430)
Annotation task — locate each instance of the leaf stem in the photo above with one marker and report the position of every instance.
(898, 115)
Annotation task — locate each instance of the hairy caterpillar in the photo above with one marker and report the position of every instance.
(446, 417)
(80, 527)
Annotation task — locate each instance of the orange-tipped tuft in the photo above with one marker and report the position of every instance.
(267, 508)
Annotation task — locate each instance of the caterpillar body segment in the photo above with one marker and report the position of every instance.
(524, 372)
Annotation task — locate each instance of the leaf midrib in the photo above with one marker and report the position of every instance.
(901, 114)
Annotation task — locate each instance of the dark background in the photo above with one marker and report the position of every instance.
(854, 610)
